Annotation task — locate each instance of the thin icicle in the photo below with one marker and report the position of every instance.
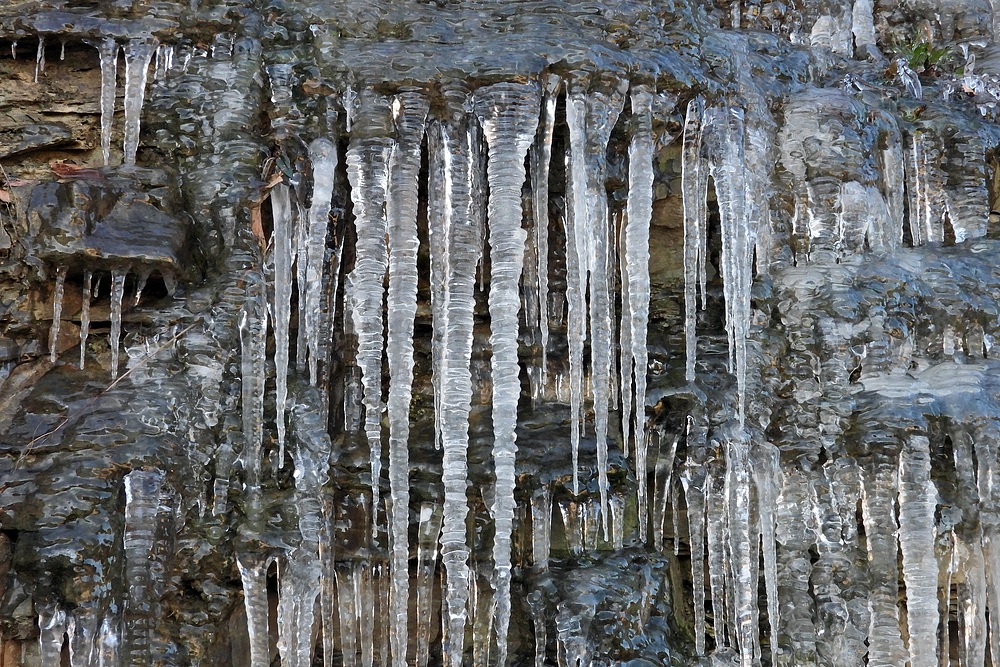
(693, 479)
(591, 117)
(40, 57)
(767, 479)
(323, 154)
(509, 115)
(454, 224)
(108, 51)
(743, 536)
(368, 171)
(640, 213)
(410, 114)
(541, 527)
(85, 316)
(138, 55)
(541, 156)
(428, 532)
(117, 294)
(283, 258)
(57, 307)
(694, 185)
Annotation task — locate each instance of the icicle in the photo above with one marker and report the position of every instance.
(428, 533)
(108, 51)
(283, 259)
(253, 342)
(51, 635)
(349, 607)
(40, 57)
(909, 79)
(767, 479)
(312, 246)
(453, 224)
(617, 506)
(509, 115)
(140, 285)
(591, 118)
(541, 527)
(694, 492)
(917, 504)
(718, 549)
(410, 114)
(694, 185)
(13, 49)
(541, 156)
(138, 55)
(62, 49)
(253, 573)
(640, 212)
(663, 485)
(57, 306)
(117, 294)
(144, 503)
(536, 607)
(368, 171)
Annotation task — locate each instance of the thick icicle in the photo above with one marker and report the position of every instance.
(541, 156)
(456, 251)
(428, 532)
(917, 504)
(312, 246)
(694, 184)
(410, 114)
(85, 316)
(509, 115)
(138, 55)
(51, 634)
(253, 573)
(40, 57)
(742, 538)
(640, 211)
(57, 306)
(253, 348)
(693, 479)
(368, 171)
(283, 258)
(108, 51)
(117, 294)
(591, 117)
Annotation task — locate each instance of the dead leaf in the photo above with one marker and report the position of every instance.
(75, 172)
(275, 178)
(5, 197)
(17, 182)
(257, 226)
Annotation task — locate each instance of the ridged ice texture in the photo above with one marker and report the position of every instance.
(253, 574)
(253, 361)
(917, 504)
(368, 172)
(283, 258)
(428, 532)
(693, 479)
(108, 52)
(590, 116)
(636, 285)
(765, 461)
(694, 186)
(410, 115)
(508, 113)
(743, 538)
(312, 248)
(138, 54)
(540, 159)
(455, 249)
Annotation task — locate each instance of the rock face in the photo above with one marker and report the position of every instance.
(548, 332)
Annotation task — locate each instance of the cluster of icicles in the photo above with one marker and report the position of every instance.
(508, 122)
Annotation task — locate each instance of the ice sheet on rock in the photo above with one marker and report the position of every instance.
(591, 115)
(455, 249)
(253, 364)
(509, 116)
(138, 54)
(311, 253)
(410, 114)
(52, 625)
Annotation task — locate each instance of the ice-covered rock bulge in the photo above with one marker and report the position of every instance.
(543, 332)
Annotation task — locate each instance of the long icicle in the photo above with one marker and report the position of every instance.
(640, 213)
(508, 113)
(323, 154)
(117, 294)
(368, 171)
(694, 186)
(283, 258)
(85, 315)
(452, 152)
(138, 55)
(410, 114)
(57, 307)
(108, 52)
(541, 156)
